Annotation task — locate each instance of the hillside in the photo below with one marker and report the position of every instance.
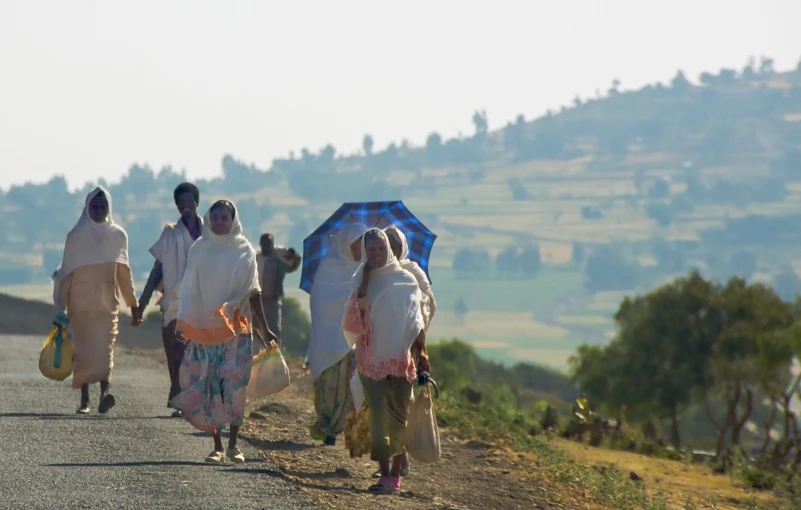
(543, 225)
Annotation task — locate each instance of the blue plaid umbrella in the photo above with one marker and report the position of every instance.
(372, 214)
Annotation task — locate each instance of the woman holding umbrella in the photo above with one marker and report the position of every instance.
(385, 320)
(330, 355)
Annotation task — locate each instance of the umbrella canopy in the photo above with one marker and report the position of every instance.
(373, 214)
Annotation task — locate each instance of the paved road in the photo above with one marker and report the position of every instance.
(132, 458)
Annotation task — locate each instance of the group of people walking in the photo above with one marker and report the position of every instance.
(370, 309)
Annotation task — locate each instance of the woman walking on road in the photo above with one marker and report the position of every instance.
(219, 289)
(331, 357)
(94, 269)
(384, 319)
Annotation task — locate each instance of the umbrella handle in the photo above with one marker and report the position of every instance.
(425, 379)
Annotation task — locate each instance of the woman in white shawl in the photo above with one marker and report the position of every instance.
(400, 247)
(94, 271)
(383, 318)
(331, 357)
(219, 289)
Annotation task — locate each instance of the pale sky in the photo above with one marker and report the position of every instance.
(88, 88)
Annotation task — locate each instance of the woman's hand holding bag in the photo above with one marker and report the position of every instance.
(422, 432)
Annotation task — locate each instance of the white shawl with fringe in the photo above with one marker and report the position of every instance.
(220, 277)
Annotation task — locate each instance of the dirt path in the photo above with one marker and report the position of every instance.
(470, 475)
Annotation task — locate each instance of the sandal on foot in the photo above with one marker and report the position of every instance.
(84, 409)
(384, 486)
(315, 433)
(215, 457)
(106, 403)
(235, 455)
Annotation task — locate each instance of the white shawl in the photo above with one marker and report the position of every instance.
(220, 277)
(395, 299)
(429, 304)
(329, 294)
(90, 243)
(171, 250)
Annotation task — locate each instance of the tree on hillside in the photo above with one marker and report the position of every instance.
(518, 189)
(480, 122)
(506, 263)
(694, 340)
(434, 148)
(529, 261)
(766, 65)
(471, 263)
(460, 309)
(367, 145)
(680, 82)
(607, 269)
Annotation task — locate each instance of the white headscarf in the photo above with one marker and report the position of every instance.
(94, 243)
(394, 298)
(329, 294)
(90, 243)
(429, 303)
(220, 277)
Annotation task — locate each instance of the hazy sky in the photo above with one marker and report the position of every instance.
(89, 87)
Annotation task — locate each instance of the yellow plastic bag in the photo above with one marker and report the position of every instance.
(55, 361)
(269, 374)
(422, 433)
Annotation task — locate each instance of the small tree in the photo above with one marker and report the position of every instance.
(460, 309)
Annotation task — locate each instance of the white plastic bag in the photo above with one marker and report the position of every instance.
(422, 433)
(356, 391)
(269, 374)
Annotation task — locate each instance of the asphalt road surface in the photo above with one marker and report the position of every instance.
(135, 457)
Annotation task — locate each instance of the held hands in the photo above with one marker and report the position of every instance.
(136, 313)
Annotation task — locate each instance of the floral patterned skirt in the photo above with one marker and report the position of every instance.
(332, 398)
(213, 383)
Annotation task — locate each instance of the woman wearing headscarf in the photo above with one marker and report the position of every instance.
(400, 247)
(94, 271)
(219, 289)
(383, 318)
(330, 355)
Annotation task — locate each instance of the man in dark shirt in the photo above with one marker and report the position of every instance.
(274, 263)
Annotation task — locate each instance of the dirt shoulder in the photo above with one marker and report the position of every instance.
(470, 474)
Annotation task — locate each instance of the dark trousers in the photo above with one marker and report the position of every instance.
(174, 349)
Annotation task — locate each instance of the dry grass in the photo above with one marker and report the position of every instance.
(677, 479)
